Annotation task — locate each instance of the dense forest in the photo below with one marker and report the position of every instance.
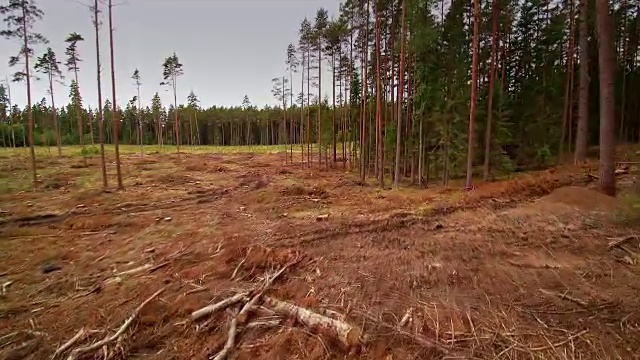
(421, 90)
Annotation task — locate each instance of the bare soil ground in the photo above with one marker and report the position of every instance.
(512, 269)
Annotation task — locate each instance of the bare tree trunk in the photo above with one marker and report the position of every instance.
(396, 178)
(139, 121)
(319, 102)
(28, 76)
(379, 155)
(333, 99)
(606, 61)
(103, 163)
(474, 85)
(302, 110)
(583, 102)
(623, 44)
(175, 114)
(113, 92)
(566, 121)
(487, 137)
(309, 145)
(364, 152)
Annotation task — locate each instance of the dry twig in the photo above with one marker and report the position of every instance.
(210, 309)
(242, 316)
(69, 343)
(231, 338)
(566, 297)
(78, 351)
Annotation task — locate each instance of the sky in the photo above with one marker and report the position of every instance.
(228, 48)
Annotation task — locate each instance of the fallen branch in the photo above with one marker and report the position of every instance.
(423, 341)
(565, 297)
(210, 309)
(69, 343)
(550, 346)
(78, 351)
(347, 334)
(242, 316)
(235, 271)
(134, 270)
(231, 338)
(616, 242)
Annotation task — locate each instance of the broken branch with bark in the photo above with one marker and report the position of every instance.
(347, 334)
(78, 351)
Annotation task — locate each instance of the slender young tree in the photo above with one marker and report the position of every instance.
(379, 155)
(100, 112)
(474, 89)
(606, 61)
(21, 16)
(49, 65)
(397, 175)
(292, 66)
(172, 68)
(136, 78)
(583, 87)
(72, 62)
(492, 74)
(114, 117)
(320, 27)
(568, 93)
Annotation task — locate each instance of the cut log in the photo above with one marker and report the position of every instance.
(347, 334)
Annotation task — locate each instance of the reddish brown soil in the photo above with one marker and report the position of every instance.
(513, 269)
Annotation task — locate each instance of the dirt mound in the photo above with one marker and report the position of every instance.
(581, 197)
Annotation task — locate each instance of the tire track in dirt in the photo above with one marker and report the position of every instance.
(512, 196)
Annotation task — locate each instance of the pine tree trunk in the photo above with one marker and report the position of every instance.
(379, 159)
(396, 178)
(28, 78)
(566, 118)
(140, 135)
(176, 120)
(583, 96)
(623, 44)
(115, 107)
(309, 145)
(474, 84)
(302, 110)
(319, 117)
(487, 137)
(333, 114)
(606, 61)
(364, 149)
(103, 163)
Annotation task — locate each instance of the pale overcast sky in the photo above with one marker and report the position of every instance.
(229, 48)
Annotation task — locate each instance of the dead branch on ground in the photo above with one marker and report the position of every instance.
(231, 338)
(421, 340)
(210, 309)
(349, 335)
(242, 316)
(69, 343)
(78, 351)
(617, 242)
(566, 297)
